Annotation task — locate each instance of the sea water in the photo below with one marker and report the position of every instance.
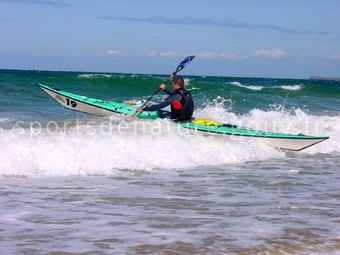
(70, 184)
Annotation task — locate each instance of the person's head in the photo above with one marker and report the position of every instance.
(177, 83)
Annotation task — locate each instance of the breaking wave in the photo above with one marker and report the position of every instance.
(258, 87)
(85, 150)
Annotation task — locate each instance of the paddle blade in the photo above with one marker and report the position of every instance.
(185, 61)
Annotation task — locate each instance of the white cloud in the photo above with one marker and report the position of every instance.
(268, 53)
(113, 52)
(162, 54)
(212, 54)
(167, 54)
(203, 55)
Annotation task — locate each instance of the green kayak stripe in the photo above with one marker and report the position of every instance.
(225, 129)
(112, 106)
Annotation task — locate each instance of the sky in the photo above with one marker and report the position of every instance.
(247, 38)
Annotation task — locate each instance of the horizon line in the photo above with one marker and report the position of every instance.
(193, 75)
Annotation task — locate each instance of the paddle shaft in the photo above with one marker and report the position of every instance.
(179, 68)
(156, 91)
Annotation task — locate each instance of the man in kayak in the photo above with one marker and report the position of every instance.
(180, 100)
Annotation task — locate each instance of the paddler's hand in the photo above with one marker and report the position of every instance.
(139, 109)
(162, 87)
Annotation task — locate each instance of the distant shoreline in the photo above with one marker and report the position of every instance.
(324, 78)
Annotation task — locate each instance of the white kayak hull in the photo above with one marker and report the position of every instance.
(108, 108)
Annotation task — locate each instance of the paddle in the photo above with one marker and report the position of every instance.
(181, 66)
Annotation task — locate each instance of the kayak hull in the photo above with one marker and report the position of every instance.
(108, 108)
(292, 144)
(77, 105)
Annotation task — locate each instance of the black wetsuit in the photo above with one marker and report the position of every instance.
(182, 105)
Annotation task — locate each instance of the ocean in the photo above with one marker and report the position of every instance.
(79, 190)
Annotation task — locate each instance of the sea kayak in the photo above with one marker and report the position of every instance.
(98, 107)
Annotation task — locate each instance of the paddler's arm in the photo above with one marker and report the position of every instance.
(166, 90)
(169, 92)
(157, 107)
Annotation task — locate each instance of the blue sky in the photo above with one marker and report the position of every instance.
(288, 39)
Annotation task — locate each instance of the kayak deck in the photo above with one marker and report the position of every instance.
(92, 105)
(106, 108)
(241, 131)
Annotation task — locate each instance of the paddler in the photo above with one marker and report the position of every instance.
(180, 100)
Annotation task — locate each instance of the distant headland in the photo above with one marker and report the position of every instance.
(325, 78)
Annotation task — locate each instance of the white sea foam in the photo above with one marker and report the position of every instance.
(258, 88)
(290, 87)
(251, 87)
(186, 81)
(280, 120)
(84, 150)
(294, 171)
(91, 152)
(94, 75)
(4, 119)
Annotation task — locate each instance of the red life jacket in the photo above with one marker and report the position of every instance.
(183, 108)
